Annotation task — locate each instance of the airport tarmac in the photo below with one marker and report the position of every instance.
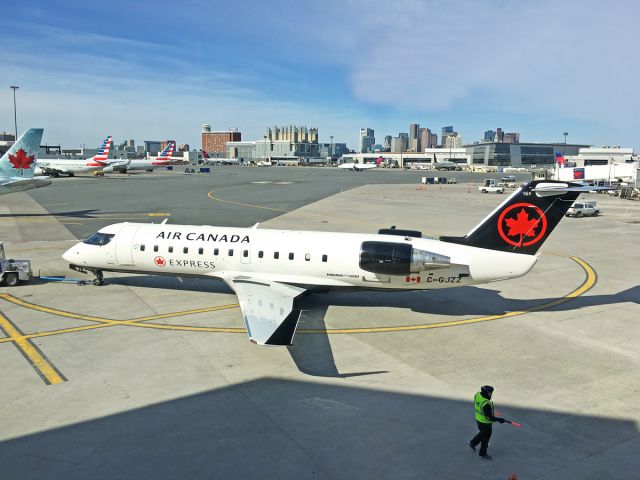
(153, 377)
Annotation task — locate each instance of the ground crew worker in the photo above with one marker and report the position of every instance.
(485, 419)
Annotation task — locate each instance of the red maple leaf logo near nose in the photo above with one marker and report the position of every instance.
(522, 225)
(159, 261)
(20, 160)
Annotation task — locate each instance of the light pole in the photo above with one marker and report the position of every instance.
(15, 115)
(564, 149)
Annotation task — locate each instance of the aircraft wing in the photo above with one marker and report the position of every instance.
(267, 308)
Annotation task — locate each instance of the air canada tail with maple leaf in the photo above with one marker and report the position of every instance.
(20, 159)
(523, 221)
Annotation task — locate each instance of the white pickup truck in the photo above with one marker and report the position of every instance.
(491, 187)
(583, 209)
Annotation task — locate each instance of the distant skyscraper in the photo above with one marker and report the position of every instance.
(387, 142)
(453, 140)
(434, 140)
(499, 136)
(397, 144)
(414, 137)
(405, 140)
(446, 131)
(512, 137)
(425, 139)
(367, 140)
(488, 136)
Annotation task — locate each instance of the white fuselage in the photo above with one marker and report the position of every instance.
(307, 258)
(66, 166)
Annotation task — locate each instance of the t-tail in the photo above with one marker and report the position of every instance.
(523, 221)
(20, 159)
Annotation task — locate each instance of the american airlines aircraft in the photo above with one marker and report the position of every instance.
(268, 269)
(17, 165)
(162, 160)
(68, 166)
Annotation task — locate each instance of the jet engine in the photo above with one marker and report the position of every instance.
(388, 258)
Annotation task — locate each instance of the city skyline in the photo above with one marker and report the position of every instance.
(85, 71)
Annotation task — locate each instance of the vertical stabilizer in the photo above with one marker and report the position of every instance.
(20, 159)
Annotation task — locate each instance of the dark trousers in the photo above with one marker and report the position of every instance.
(482, 437)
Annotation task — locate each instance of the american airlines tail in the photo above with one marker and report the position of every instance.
(525, 220)
(102, 156)
(165, 155)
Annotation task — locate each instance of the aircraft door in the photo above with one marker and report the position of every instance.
(124, 244)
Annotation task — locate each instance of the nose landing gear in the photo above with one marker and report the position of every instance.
(97, 281)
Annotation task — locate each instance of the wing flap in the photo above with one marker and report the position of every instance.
(268, 309)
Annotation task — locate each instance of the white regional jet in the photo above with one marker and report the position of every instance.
(148, 164)
(269, 269)
(18, 164)
(68, 166)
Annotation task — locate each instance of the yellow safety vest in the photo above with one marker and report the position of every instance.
(480, 402)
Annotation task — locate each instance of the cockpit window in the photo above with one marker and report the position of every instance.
(99, 238)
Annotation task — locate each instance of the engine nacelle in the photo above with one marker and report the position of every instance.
(388, 258)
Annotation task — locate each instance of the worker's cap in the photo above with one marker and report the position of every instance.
(487, 388)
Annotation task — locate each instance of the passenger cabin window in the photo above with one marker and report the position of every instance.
(185, 249)
(307, 256)
(291, 256)
(231, 252)
(276, 255)
(216, 251)
(99, 239)
(200, 250)
(170, 249)
(324, 258)
(245, 253)
(142, 247)
(155, 248)
(260, 254)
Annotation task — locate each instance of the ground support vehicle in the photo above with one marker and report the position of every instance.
(583, 209)
(491, 187)
(13, 271)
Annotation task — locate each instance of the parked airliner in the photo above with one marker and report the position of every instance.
(268, 269)
(148, 164)
(18, 163)
(69, 166)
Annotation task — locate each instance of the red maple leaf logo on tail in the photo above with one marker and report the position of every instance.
(522, 225)
(21, 161)
(527, 230)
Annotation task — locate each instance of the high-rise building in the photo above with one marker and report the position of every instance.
(387, 143)
(434, 140)
(397, 145)
(217, 141)
(499, 136)
(453, 140)
(446, 131)
(425, 139)
(511, 137)
(405, 140)
(367, 140)
(488, 136)
(414, 137)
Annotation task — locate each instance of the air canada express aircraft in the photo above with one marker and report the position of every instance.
(268, 269)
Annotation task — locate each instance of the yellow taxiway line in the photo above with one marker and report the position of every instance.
(32, 353)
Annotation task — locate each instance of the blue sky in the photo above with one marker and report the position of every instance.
(155, 70)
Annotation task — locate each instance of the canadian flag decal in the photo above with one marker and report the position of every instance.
(412, 279)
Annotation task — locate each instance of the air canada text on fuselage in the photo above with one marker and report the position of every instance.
(203, 237)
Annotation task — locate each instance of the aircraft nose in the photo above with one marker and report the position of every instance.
(71, 255)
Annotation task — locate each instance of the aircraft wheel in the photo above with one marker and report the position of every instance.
(11, 279)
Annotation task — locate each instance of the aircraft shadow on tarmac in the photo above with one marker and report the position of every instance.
(92, 213)
(313, 354)
(286, 429)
